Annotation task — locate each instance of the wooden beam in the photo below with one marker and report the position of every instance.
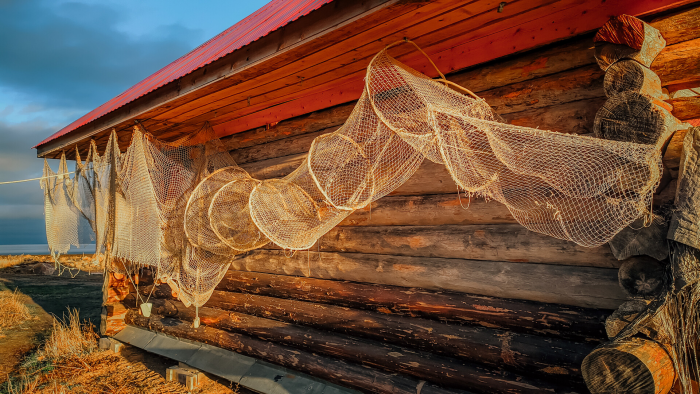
(362, 378)
(502, 242)
(521, 316)
(588, 287)
(554, 360)
(429, 210)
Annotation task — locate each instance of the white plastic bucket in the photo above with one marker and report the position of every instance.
(146, 309)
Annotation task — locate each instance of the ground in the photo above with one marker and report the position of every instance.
(47, 294)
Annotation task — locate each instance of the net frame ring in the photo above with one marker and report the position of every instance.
(348, 204)
(245, 214)
(289, 242)
(222, 248)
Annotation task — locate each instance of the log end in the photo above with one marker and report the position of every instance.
(635, 365)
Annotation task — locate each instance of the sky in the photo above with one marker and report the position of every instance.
(61, 59)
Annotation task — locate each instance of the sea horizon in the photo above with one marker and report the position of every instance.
(42, 249)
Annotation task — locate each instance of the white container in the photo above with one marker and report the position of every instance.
(146, 309)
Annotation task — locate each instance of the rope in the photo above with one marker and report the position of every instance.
(37, 179)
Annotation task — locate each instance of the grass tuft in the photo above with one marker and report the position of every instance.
(13, 312)
(69, 339)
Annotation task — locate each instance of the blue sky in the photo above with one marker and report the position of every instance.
(61, 59)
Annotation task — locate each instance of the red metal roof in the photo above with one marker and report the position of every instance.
(275, 14)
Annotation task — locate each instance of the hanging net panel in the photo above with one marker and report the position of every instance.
(185, 208)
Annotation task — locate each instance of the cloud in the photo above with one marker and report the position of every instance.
(74, 55)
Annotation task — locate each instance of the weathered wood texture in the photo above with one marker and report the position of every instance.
(627, 37)
(633, 366)
(521, 316)
(430, 210)
(686, 108)
(363, 378)
(563, 358)
(635, 117)
(631, 76)
(590, 287)
(502, 242)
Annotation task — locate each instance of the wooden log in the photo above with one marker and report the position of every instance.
(541, 62)
(686, 108)
(429, 210)
(575, 117)
(632, 39)
(329, 118)
(365, 379)
(634, 365)
(679, 64)
(298, 144)
(572, 85)
(631, 76)
(643, 278)
(545, 319)
(635, 117)
(568, 285)
(445, 371)
(628, 313)
(501, 242)
(431, 178)
(500, 348)
(679, 26)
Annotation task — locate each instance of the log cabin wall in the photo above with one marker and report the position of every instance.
(425, 291)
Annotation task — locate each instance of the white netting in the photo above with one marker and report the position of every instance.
(186, 208)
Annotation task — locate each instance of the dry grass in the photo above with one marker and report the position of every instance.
(13, 312)
(70, 362)
(69, 339)
(86, 263)
(9, 261)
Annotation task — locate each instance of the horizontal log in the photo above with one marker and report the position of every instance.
(568, 285)
(509, 350)
(545, 319)
(429, 210)
(282, 147)
(431, 178)
(679, 26)
(365, 379)
(315, 121)
(569, 117)
(678, 64)
(552, 59)
(575, 117)
(498, 242)
(572, 85)
(686, 108)
(444, 371)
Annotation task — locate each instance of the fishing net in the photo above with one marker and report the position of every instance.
(185, 207)
(61, 215)
(570, 187)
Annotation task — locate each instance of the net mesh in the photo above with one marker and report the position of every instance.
(185, 207)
